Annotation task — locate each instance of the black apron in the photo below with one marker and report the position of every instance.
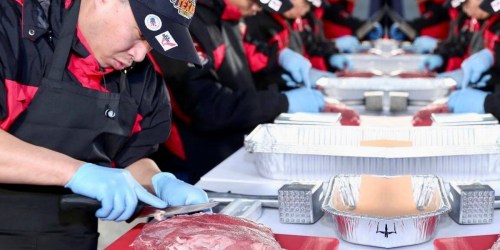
(85, 124)
(477, 40)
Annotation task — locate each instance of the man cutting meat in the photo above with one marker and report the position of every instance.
(75, 116)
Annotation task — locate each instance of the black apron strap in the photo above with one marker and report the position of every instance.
(57, 67)
(477, 40)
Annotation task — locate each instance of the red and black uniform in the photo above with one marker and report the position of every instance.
(266, 35)
(456, 47)
(53, 95)
(339, 20)
(218, 104)
(490, 39)
(318, 49)
(269, 33)
(473, 36)
(434, 19)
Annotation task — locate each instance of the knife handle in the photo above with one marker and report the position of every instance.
(70, 202)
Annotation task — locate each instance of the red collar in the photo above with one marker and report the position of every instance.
(230, 12)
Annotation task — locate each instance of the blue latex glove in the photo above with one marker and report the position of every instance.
(483, 81)
(290, 82)
(340, 62)
(347, 44)
(116, 189)
(467, 101)
(296, 64)
(315, 75)
(376, 33)
(475, 66)
(395, 33)
(457, 75)
(304, 100)
(176, 192)
(431, 62)
(424, 44)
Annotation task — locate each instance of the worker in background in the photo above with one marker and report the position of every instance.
(218, 105)
(296, 30)
(342, 18)
(81, 110)
(429, 18)
(459, 29)
(477, 91)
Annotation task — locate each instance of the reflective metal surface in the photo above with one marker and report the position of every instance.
(428, 195)
(292, 152)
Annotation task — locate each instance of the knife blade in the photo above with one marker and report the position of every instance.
(75, 201)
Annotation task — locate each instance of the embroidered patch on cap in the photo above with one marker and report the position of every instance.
(166, 40)
(152, 22)
(456, 3)
(316, 3)
(495, 5)
(275, 5)
(185, 8)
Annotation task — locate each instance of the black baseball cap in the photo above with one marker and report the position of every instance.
(490, 6)
(279, 6)
(165, 25)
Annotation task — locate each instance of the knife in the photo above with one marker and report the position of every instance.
(409, 31)
(75, 201)
(269, 201)
(370, 23)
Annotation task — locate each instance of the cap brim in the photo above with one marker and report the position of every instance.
(486, 5)
(179, 45)
(276, 6)
(454, 3)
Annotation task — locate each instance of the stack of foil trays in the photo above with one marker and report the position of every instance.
(385, 65)
(353, 89)
(305, 152)
(382, 231)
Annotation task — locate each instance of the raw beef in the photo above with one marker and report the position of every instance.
(496, 245)
(205, 231)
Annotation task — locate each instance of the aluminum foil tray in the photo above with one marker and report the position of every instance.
(291, 152)
(385, 65)
(418, 89)
(343, 195)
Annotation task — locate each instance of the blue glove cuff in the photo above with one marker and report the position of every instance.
(81, 171)
(467, 101)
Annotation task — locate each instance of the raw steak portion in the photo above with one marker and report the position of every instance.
(205, 231)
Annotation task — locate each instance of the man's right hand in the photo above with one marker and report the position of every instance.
(116, 189)
(349, 116)
(425, 44)
(304, 100)
(347, 44)
(297, 65)
(431, 62)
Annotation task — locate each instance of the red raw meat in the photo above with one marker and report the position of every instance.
(206, 231)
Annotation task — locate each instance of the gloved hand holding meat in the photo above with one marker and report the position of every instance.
(349, 116)
(423, 116)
